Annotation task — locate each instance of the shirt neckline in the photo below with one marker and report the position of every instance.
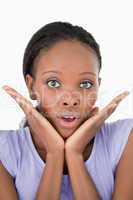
(41, 162)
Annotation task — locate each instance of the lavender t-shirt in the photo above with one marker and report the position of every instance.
(22, 161)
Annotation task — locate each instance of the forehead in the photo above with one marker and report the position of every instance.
(67, 56)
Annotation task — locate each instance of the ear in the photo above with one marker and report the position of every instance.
(30, 83)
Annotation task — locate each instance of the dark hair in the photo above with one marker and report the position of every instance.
(51, 33)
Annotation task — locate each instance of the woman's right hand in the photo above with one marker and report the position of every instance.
(49, 139)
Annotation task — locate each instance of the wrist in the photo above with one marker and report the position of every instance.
(58, 155)
(69, 150)
(70, 154)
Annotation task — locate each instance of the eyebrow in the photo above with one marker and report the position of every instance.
(58, 72)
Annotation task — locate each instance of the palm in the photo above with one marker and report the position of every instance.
(79, 140)
(43, 132)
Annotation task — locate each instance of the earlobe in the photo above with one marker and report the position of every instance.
(29, 83)
(33, 95)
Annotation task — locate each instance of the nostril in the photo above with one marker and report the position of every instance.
(65, 103)
(74, 104)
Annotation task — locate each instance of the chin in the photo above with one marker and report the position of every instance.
(65, 135)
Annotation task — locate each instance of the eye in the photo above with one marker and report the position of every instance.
(87, 83)
(52, 83)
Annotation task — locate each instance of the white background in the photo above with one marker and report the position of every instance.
(110, 22)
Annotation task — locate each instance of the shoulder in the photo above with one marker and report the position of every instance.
(121, 124)
(115, 137)
(12, 138)
(119, 129)
(11, 143)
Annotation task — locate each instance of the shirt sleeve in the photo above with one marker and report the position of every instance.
(117, 138)
(8, 151)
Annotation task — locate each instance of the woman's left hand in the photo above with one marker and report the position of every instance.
(81, 137)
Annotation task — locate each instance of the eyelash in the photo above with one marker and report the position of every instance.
(85, 81)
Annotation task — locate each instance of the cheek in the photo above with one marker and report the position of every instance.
(49, 101)
(48, 105)
(47, 98)
(90, 99)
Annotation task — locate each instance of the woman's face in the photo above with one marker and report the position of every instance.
(66, 82)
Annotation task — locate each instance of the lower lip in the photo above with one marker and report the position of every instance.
(68, 123)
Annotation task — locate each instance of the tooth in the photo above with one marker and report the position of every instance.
(71, 117)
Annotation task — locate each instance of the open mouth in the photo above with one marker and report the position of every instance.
(68, 121)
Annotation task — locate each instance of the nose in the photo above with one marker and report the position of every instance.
(70, 101)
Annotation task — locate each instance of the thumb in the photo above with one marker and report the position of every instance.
(94, 111)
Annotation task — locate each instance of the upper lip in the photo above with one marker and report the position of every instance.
(69, 114)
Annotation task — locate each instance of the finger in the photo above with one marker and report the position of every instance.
(110, 108)
(120, 97)
(115, 102)
(26, 105)
(94, 111)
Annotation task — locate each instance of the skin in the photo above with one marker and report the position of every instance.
(69, 58)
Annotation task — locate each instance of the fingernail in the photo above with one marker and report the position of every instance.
(10, 92)
(5, 87)
(126, 93)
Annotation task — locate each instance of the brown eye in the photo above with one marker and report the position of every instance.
(86, 84)
(53, 83)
